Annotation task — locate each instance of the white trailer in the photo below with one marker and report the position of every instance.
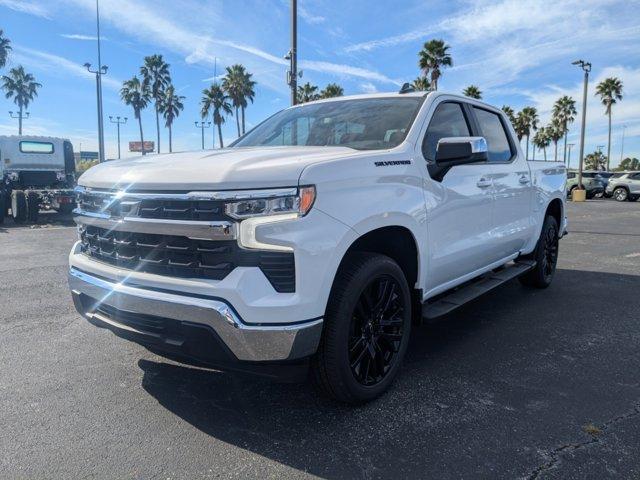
(35, 173)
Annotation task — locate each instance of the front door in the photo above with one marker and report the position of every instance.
(459, 208)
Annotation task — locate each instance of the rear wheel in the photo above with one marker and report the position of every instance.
(33, 206)
(366, 329)
(18, 206)
(545, 255)
(3, 207)
(621, 194)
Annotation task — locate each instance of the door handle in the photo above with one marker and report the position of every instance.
(483, 183)
(523, 180)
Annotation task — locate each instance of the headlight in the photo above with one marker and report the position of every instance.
(61, 176)
(13, 176)
(298, 204)
(254, 212)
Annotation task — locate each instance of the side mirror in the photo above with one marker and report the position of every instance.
(452, 151)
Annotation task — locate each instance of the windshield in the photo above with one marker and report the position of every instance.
(362, 124)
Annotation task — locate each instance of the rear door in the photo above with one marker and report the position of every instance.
(634, 184)
(511, 183)
(459, 208)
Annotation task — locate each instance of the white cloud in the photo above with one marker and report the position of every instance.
(31, 8)
(310, 17)
(368, 87)
(51, 63)
(77, 36)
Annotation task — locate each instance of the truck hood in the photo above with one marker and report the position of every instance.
(226, 169)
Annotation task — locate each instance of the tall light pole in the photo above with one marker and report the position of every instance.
(98, 73)
(118, 122)
(101, 70)
(202, 125)
(20, 116)
(569, 146)
(292, 56)
(586, 67)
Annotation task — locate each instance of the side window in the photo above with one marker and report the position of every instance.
(448, 121)
(571, 175)
(635, 176)
(495, 135)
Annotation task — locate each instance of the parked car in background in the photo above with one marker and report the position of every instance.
(624, 186)
(593, 184)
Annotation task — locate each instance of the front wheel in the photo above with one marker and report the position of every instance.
(621, 194)
(18, 206)
(545, 256)
(366, 329)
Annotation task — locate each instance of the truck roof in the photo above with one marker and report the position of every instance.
(35, 138)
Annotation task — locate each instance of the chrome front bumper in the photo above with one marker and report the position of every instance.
(247, 342)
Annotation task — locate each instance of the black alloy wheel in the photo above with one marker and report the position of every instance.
(376, 330)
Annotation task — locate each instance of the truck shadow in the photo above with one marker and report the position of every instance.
(45, 220)
(495, 349)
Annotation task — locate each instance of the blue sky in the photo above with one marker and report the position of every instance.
(518, 53)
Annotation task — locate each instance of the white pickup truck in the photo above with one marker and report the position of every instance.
(318, 238)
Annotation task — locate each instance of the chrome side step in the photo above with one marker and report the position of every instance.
(448, 301)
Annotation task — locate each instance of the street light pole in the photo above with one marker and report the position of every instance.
(293, 53)
(102, 70)
(118, 122)
(202, 125)
(586, 67)
(20, 116)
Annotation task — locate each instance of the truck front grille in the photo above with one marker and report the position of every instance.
(185, 257)
(164, 209)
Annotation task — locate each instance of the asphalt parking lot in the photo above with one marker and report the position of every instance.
(518, 384)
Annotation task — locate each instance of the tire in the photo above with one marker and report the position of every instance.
(66, 208)
(545, 255)
(344, 367)
(3, 207)
(18, 206)
(590, 196)
(621, 194)
(571, 191)
(33, 206)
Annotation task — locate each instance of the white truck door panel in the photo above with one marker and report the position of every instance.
(459, 227)
(459, 208)
(512, 185)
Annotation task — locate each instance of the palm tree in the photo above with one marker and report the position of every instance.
(472, 92)
(214, 98)
(541, 141)
(555, 132)
(5, 48)
(156, 77)
(531, 121)
(22, 87)
(433, 56)
(421, 84)
(248, 93)
(510, 113)
(170, 108)
(610, 91)
(332, 90)
(307, 93)
(234, 84)
(520, 125)
(137, 95)
(564, 111)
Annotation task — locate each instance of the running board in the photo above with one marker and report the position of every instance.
(448, 301)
